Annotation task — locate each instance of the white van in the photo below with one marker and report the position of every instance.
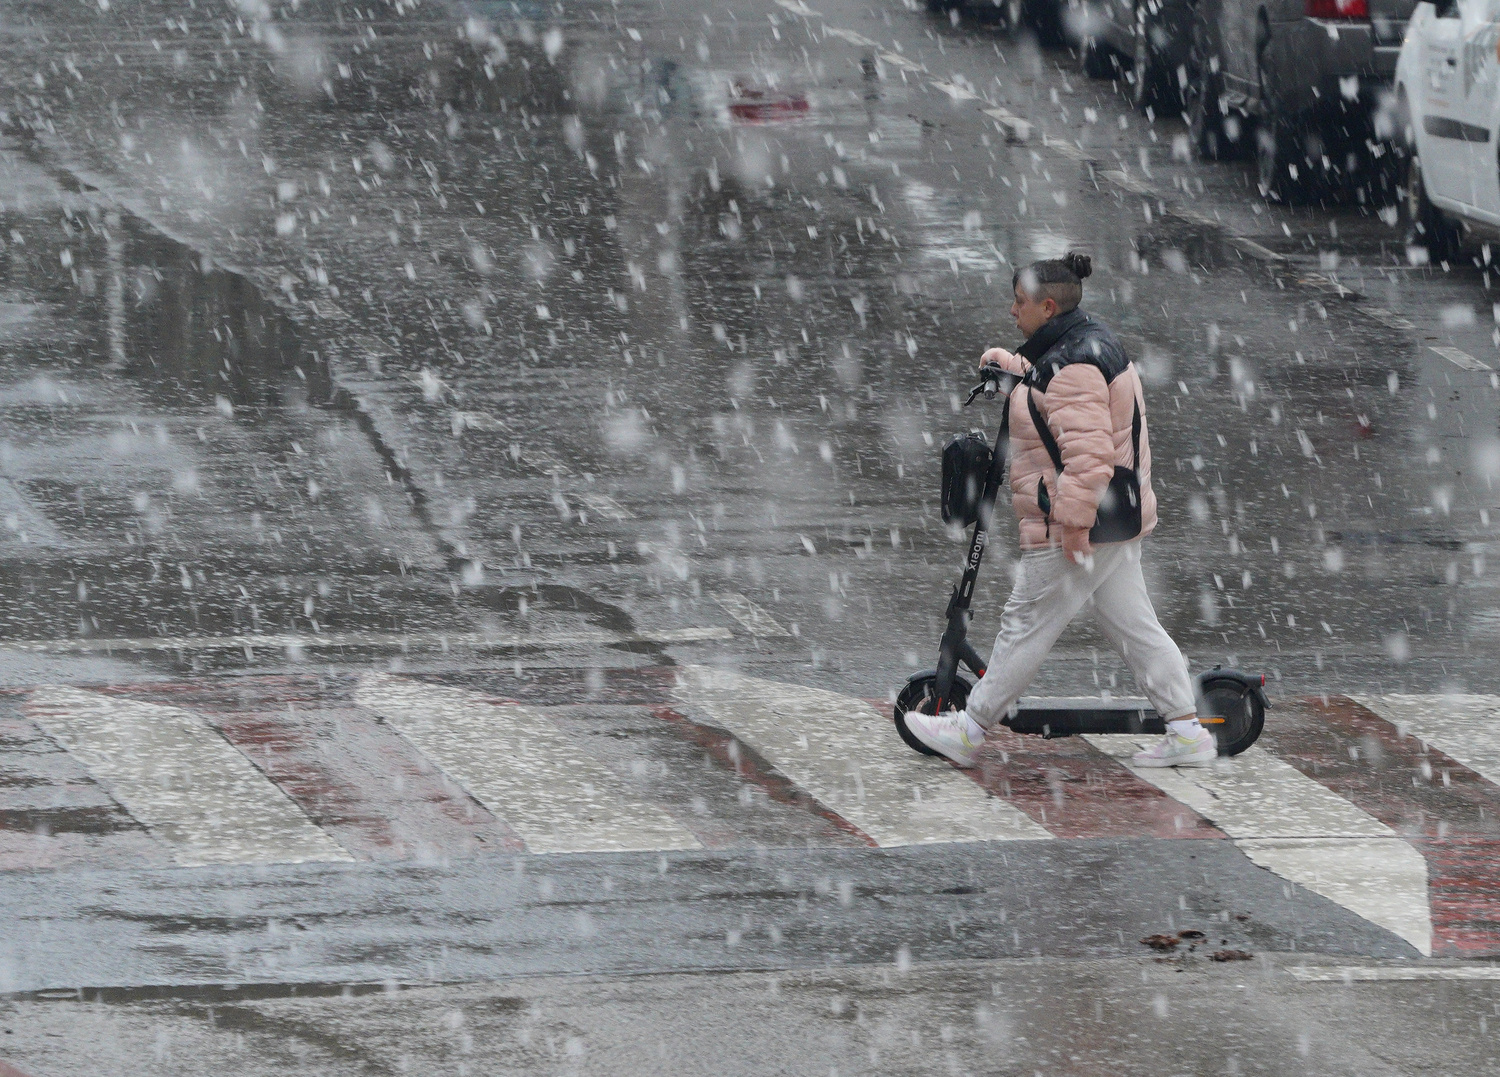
(1448, 101)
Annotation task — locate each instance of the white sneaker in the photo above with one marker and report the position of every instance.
(1171, 750)
(946, 733)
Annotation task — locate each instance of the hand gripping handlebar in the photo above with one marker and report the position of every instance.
(996, 380)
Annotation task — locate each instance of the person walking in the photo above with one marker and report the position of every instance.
(1079, 453)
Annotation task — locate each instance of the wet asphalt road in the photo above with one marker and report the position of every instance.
(629, 323)
(407, 324)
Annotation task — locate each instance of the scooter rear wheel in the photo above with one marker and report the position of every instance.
(1240, 708)
(920, 694)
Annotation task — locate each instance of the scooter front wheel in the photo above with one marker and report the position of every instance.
(920, 694)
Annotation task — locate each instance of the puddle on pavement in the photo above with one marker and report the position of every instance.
(179, 462)
(118, 296)
(173, 462)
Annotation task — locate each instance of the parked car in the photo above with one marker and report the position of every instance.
(1304, 77)
(1052, 21)
(1009, 13)
(1145, 42)
(1448, 104)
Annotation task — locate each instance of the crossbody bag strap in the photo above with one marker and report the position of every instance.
(1135, 437)
(1048, 441)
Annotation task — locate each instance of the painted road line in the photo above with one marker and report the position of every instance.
(359, 780)
(1343, 974)
(755, 620)
(181, 780)
(1126, 183)
(522, 766)
(853, 37)
(459, 421)
(1016, 128)
(606, 506)
(954, 90)
(895, 59)
(1291, 825)
(52, 814)
(543, 461)
(1202, 220)
(327, 308)
(1327, 285)
(1388, 318)
(1077, 792)
(1256, 250)
(1070, 150)
(1465, 728)
(426, 641)
(1461, 359)
(1449, 812)
(847, 755)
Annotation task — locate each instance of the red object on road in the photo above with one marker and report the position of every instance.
(768, 111)
(7, 1070)
(756, 105)
(1337, 9)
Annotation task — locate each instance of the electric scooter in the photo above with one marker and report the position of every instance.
(1231, 704)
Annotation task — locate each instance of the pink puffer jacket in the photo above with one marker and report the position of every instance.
(1086, 389)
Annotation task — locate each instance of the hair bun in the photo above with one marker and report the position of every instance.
(1078, 263)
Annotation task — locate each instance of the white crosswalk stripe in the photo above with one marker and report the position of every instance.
(180, 779)
(844, 753)
(1465, 728)
(1347, 974)
(208, 803)
(751, 617)
(518, 763)
(1306, 833)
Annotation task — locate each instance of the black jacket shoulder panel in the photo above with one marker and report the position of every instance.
(1071, 338)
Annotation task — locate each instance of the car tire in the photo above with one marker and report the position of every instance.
(1100, 61)
(1151, 87)
(1046, 19)
(1280, 171)
(1431, 228)
(1204, 115)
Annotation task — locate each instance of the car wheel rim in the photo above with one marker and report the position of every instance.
(1141, 61)
(1265, 162)
(1414, 188)
(1139, 68)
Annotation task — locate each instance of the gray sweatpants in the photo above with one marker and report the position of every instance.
(1049, 591)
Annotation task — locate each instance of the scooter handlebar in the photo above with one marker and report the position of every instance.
(996, 380)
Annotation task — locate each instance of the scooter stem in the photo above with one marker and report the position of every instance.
(955, 647)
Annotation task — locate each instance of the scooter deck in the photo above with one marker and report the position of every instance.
(1061, 717)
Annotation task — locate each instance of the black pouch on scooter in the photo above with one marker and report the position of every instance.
(1118, 518)
(966, 466)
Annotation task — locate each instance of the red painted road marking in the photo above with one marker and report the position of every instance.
(338, 764)
(1076, 791)
(354, 777)
(7, 1070)
(826, 827)
(1448, 813)
(844, 752)
(644, 686)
